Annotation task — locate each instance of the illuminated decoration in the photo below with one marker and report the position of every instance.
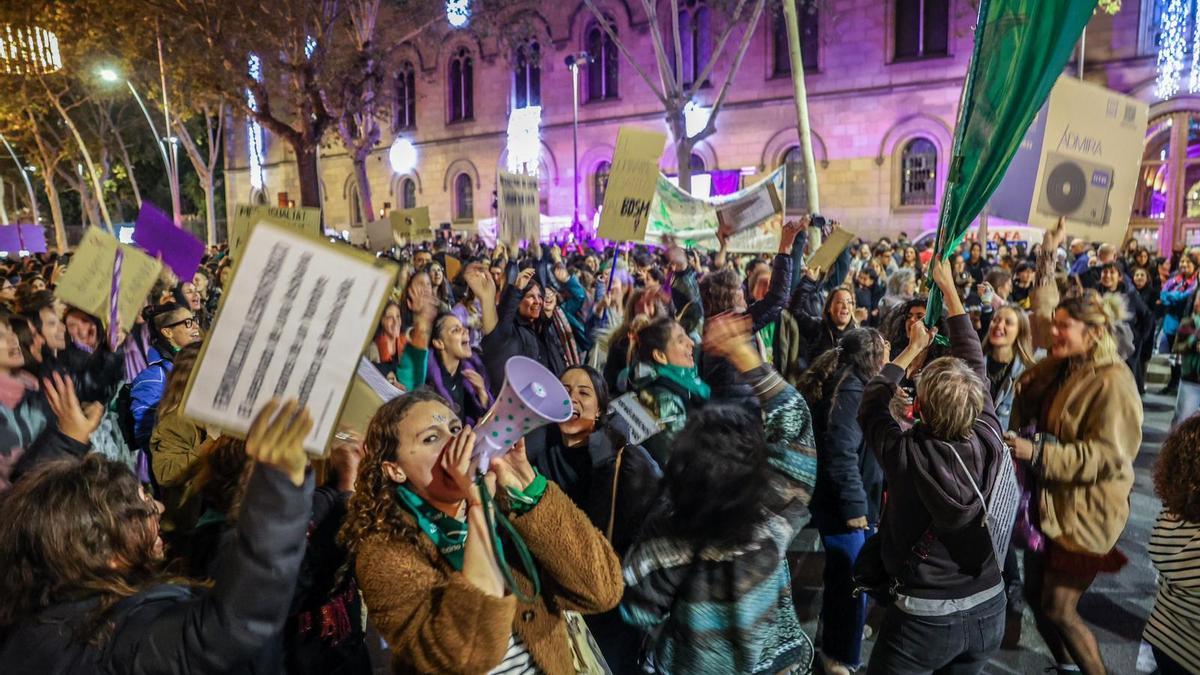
(525, 140)
(1194, 77)
(310, 45)
(1171, 50)
(254, 130)
(28, 51)
(458, 12)
(695, 118)
(402, 156)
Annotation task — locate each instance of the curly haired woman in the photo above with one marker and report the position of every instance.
(421, 549)
(1175, 551)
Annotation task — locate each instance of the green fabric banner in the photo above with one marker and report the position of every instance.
(1021, 48)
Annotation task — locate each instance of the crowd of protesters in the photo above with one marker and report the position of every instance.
(786, 396)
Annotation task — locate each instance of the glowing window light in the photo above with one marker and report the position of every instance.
(695, 118)
(28, 51)
(254, 130)
(458, 12)
(402, 156)
(525, 140)
(1171, 51)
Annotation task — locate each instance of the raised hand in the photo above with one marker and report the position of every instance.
(513, 470)
(476, 381)
(728, 336)
(276, 438)
(74, 420)
(524, 277)
(480, 281)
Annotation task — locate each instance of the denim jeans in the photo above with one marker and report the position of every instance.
(955, 644)
(1187, 402)
(842, 614)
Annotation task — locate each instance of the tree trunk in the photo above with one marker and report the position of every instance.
(366, 207)
(60, 229)
(210, 207)
(683, 148)
(308, 170)
(133, 183)
(173, 182)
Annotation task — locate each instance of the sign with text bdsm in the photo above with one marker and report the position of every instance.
(295, 320)
(632, 179)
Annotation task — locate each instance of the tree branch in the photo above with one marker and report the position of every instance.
(612, 35)
(718, 50)
(670, 81)
(711, 127)
(678, 42)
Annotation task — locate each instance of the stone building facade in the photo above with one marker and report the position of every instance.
(883, 77)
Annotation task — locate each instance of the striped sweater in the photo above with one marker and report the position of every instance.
(1174, 624)
(727, 610)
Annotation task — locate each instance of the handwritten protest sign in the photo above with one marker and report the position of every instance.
(294, 322)
(87, 283)
(632, 420)
(518, 207)
(380, 235)
(305, 220)
(692, 221)
(411, 225)
(632, 180)
(156, 234)
(750, 209)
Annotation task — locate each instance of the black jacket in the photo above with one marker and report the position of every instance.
(849, 480)
(927, 491)
(515, 336)
(172, 628)
(726, 382)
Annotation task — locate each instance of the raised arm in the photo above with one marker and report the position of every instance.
(1044, 298)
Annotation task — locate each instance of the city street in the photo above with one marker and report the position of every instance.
(1117, 605)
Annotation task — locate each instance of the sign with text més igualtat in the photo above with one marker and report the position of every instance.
(294, 321)
(517, 210)
(1080, 160)
(303, 219)
(632, 180)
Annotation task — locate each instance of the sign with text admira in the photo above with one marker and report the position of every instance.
(1080, 160)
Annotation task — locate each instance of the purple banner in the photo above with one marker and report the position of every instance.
(10, 239)
(157, 235)
(32, 238)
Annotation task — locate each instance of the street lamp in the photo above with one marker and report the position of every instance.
(573, 62)
(170, 159)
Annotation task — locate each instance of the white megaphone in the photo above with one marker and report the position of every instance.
(531, 397)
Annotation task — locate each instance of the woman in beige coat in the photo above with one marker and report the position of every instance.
(1079, 419)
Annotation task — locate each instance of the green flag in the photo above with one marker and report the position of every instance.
(1021, 48)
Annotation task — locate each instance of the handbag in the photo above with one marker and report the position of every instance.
(871, 576)
(585, 653)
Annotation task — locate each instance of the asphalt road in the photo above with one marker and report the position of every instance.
(1116, 606)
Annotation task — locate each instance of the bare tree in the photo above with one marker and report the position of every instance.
(671, 90)
(205, 161)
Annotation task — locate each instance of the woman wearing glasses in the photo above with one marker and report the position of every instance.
(174, 327)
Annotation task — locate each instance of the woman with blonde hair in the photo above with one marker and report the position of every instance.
(1079, 418)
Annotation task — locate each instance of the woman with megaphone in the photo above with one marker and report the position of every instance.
(419, 538)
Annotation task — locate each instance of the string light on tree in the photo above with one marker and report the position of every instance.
(28, 51)
(254, 131)
(1194, 76)
(1172, 48)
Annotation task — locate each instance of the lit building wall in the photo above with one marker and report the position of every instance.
(865, 105)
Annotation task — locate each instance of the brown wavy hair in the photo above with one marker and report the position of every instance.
(1177, 471)
(61, 529)
(177, 382)
(374, 508)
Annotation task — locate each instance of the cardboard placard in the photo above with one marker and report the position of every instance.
(411, 225)
(87, 283)
(368, 392)
(156, 234)
(632, 180)
(693, 221)
(517, 208)
(303, 219)
(632, 419)
(831, 248)
(294, 321)
(1081, 159)
(380, 235)
(757, 205)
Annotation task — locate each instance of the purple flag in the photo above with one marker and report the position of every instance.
(32, 238)
(10, 239)
(155, 234)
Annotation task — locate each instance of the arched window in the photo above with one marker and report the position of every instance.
(696, 163)
(1166, 200)
(795, 182)
(922, 28)
(462, 86)
(355, 207)
(464, 198)
(408, 194)
(918, 172)
(806, 15)
(604, 67)
(527, 76)
(695, 41)
(404, 114)
(600, 184)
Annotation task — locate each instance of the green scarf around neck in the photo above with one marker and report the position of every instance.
(448, 534)
(688, 378)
